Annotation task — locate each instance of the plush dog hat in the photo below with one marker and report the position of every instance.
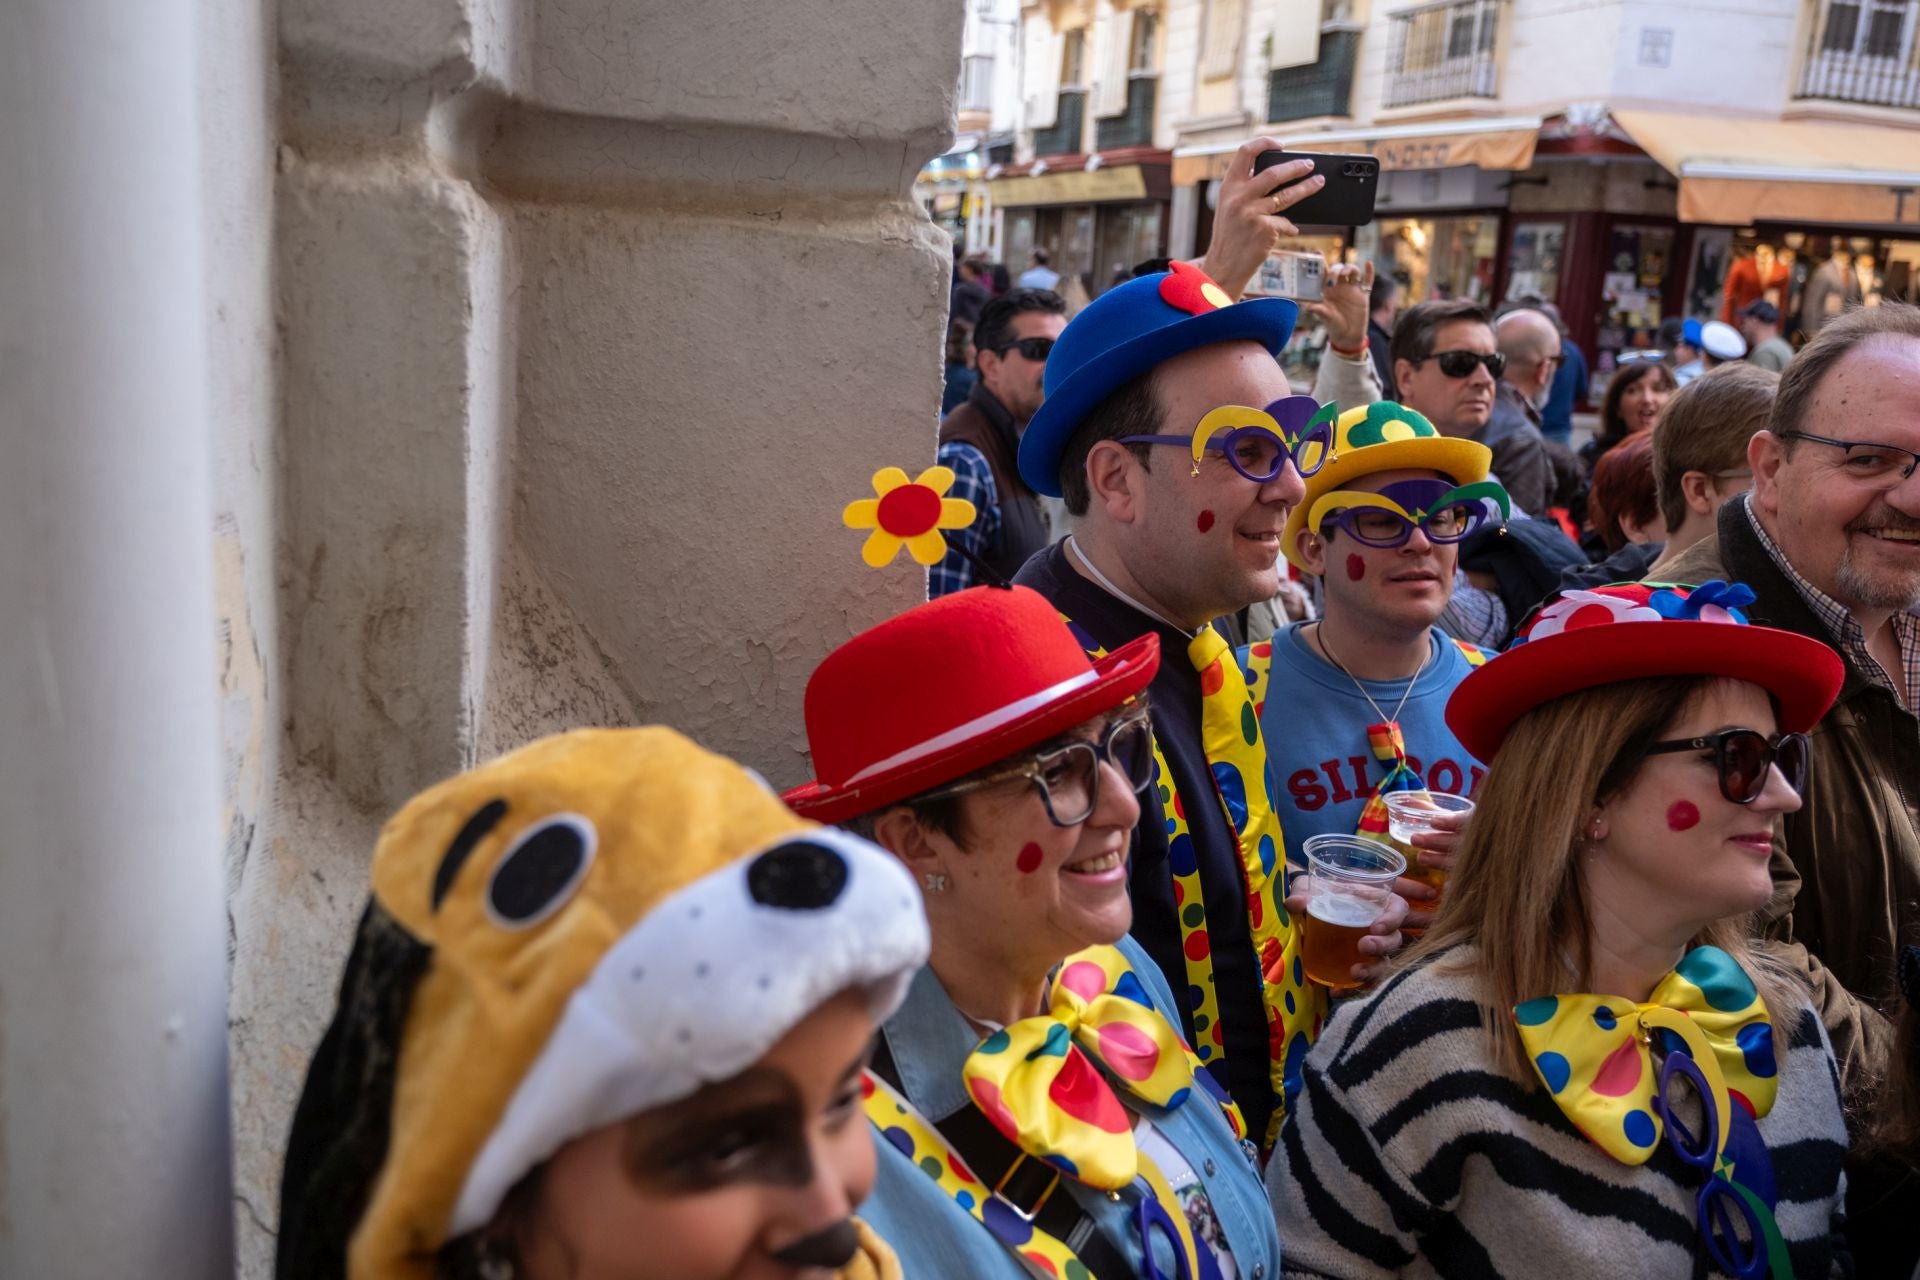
(597, 924)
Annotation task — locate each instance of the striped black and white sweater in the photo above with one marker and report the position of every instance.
(1408, 1154)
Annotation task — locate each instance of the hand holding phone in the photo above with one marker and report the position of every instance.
(1347, 199)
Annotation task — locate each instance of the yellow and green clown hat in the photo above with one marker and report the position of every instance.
(1384, 436)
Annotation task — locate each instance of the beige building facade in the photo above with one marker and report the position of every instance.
(477, 390)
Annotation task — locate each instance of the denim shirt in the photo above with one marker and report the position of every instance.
(935, 1237)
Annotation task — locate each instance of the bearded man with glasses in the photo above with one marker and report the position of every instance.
(1829, 539)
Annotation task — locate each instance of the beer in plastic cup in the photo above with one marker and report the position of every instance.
(1412, 811)
(1349, 880)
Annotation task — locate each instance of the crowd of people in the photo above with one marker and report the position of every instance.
(1455, 922)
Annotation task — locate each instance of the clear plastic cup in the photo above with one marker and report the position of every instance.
(1410, 812)
(1349, 880)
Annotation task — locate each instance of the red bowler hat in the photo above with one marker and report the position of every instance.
(1638, 631)
(949, 687)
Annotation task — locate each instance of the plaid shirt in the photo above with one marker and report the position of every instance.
(1847, 633)
(973, 481)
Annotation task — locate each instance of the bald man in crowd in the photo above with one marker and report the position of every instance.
(1531, 344)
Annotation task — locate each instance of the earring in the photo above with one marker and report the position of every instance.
(1597, 829)
(935, 882)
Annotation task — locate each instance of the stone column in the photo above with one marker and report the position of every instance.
(113, 1098)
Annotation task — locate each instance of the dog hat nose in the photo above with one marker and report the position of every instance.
(801, 876)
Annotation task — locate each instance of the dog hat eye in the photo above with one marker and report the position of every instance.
(541, 871)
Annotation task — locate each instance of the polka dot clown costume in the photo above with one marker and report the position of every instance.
(596, 925)
(1083, 1137)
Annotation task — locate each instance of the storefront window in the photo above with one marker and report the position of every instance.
(1444, 257)
(1533, 260)
(1810, 275)
(1128, 234)
(1636, 271)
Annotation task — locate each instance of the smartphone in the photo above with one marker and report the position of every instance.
(1346, 200)
(1285, 274)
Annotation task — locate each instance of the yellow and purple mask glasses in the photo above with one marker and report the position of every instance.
(1442, 510)
(1258, 443)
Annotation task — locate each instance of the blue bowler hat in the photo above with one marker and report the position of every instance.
(1123, 333)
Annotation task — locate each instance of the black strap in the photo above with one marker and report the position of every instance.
(992, 1158)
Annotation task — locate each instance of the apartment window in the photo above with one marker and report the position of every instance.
(976, 84)
(1145, 32)
(1220, 38)
(1073, 60)
(1870, 28)
(1865, 51)
(1443, 51)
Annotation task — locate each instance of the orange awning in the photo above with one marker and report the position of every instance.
(1505, 143)
(1735, 170)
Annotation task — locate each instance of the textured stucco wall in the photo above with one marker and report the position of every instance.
(551, 339)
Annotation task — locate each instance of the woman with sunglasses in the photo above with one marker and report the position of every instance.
(1587, 1068)
(1033, 1097)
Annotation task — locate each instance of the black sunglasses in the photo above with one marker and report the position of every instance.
(1035, 349)
(1743, 757)
(1461, 364)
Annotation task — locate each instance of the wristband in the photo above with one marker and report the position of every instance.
(1349, 352)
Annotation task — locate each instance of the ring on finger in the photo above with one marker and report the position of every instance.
(1278, 204)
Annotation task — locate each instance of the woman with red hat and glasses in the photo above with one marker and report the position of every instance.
(1587, 1068)
(1038, 1110)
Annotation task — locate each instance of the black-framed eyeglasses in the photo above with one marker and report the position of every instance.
(1881, 465)
(1068, 778)
(1034, 349)
(1461, 364)
(1743, 757)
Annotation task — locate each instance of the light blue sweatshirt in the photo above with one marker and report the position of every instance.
(1315, 725)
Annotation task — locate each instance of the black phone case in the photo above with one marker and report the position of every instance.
(1346, 201)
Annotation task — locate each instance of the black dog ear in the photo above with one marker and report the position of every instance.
(342, 1127)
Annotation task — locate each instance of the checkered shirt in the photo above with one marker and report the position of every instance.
(973, 481)
(1847, 633)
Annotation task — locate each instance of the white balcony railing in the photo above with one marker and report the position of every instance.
(1442, 51)
(1864, 51)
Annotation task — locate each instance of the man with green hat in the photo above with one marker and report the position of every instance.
(1362, 708)
(1159, 431)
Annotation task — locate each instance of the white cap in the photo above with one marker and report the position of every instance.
(1722, 341)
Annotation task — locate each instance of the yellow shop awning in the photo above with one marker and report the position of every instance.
(1077, 186)
(1503, 143)
(1734, 170)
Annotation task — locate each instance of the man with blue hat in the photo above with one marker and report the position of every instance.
(1171, 432)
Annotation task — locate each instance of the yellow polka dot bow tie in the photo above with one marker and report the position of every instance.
(1037, 1080)
(1594, 1053)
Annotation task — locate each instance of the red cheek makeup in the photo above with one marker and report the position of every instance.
(1029, 860)
(1682, 816)
(1356, 568)
(1205, 521)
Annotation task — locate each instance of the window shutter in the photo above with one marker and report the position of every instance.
(1296, 34)
(1113, 36)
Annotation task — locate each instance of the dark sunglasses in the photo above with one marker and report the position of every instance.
(1068, 778)
(1743, 757)
(1035, 349)
(1461, 364)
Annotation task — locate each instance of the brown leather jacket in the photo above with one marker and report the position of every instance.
(1846, 866)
